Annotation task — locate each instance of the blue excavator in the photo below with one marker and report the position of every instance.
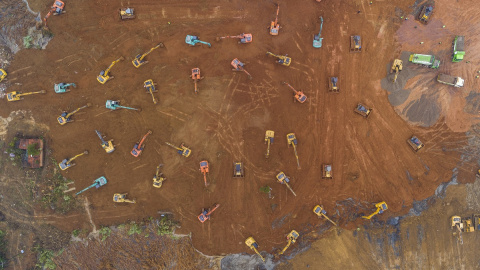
(115, 104)
(317, 39)
(101, 181)
(193, 40)
(63, 87)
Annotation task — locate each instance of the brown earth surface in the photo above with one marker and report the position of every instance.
(226, 121)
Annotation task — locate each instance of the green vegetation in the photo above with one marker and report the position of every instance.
(265, 189)
(104, 233)
(45, 258)
(15, 153)
(53, 188)
(3, 250)
(165, 226)
(33, 150)
(134, 228)
(76, 232)
(28, 42)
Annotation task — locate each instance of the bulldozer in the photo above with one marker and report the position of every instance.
(243, 38)
(65, 117)
(115, 104)
(327, 172)
(458, 225)
(127, 13)
(283, 60)
(355, 44)
(291, 239)
(194, 40)
(106, 145)
(68, 162)
(333, 85)
(269, 135)
(317, 39)
(56, 9)
(363, 110)
(397, 66)
(238, 170)
(138, 61)
(283, 179)
(63, 87)
(196, 77)
(205, 215)
(103, 77)
(320, 212)
(150, 88)
(238, 66)
(292, 141)
(415, 143)
(468, 224)
(182, 150)
(101, 181)
(158, 178)
(425, 14)
(139, 146)
(204, 170)
(299, 95)
(16, 96)
(274, 26)
(252, 244)
(3, 74)
(121, 197)
(381, 207)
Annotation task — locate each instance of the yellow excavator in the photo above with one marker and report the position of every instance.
(158, 178)
(68, 162)
(318, 210)
(103, 77)
(182, 150)
(149, 86)
(291, 239)
(381, 207)
(283, 60)
(458, 225)
(269, 135)
(121, 197)
(252, 244)
(67, 117)
(292, 140)
(138, 61)
(3, 74)
(397, 66)
(15, 96)
(284, 179)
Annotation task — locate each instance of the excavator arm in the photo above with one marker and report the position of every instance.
(296, 155)
(144, 137)
(111, 65)
(77, 156)
(149, 51)
(75, 111)
(286, 247)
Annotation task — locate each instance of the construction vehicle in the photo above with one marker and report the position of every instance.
(121, 197)
(327, 172)
(283, 179)
(127, 13)
(274, 26)
(238, 170)
(415, 143)
(424, 60)
(150, 88)
(317, 39)
(138, 61)
(244, 38)
(298, 94)
(139, 146)
(106, 145)
(363, 110)
(292, 141)
(252, 244)
(68, 162)
(425, 14)
(381, 207)
(182, 150)
(15, 96)
(196, 77)
(63, 87)
(238, 66)
(291, 239)
(205, 215)
(115, 104)
(450, 80)
(355, 44)
(204, 170)
(458, 225)
(333, 85)
(101, 181)
(269, 135)
(158, 178)
(458, 49)
(65, 117)
(476, 221)
(468, 224)
(282, 59)
(103, 77)
(3, 74)
(193, 40)
(56, 9)
(320, 212)
(397, 66)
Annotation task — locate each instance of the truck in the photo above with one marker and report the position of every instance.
(450, 80)
(458, 49)
(424, 59)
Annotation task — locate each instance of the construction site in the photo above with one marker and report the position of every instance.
(266, 135)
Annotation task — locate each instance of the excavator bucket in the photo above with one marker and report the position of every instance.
(333, 85)
(127, 13)
(415, 143)
(238, 170)
(355, 44)
(327, 172)
(363, 110)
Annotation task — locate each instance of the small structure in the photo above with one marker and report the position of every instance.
(33, 156)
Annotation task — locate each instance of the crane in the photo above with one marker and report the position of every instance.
(252, 244)
(283, 179)
(158, 178)
(274, 26)
(138, 61)
(106, 145)
(65, 117)
(291, 239)
(115, 104)
(121, 197)
(182, 150)
(101, 181)
(244, 38)
(298, 94)
(56, 9)
(317, 39)
(238, 66)
(139, 146)
(283, 60)
(292, 140)
(397, 66)
(15, 96)
(318, 210)
(68, 162)
(204, 170)
(150, 87)
(381, 207)
(205, 215)
(103, 77)
(269, 135)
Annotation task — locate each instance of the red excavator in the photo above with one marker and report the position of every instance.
(244, 38)
(196, 77)
(56, 9)
(204, 170)
(138, 147)
(274, 26)
(205, 215)
(238, 66)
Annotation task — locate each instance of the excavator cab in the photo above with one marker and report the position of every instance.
(196, 77)
(68, 162)
(121, 197)
(363, 110)
(127, 13)
(3, 74)
(205, 215)
(150, 88)
(333, 85)
(252, 244)
(327, 172)
(139, 146)
(355, 44)
(269, 136)
(381, 207)
(204, 170)
(63, 87)
(274, 26)
(283, 60)
(238, 170)
(16, 96)
(415, 143)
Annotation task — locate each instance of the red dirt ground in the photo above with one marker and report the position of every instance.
(226, 122)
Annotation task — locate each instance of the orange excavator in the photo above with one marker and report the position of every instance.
(138, 147)
(238, 66)
(196, 77)
(205, 215)
(298, 94)
(274, 26)
(204, 170)
(56, 9)
(244, 38)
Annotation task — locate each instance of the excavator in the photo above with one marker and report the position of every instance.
(381, 207)
(238, 66)
(204, 170)
(252, 244)
(205, 215)
(238, 170)
(15, 96)
(121, 197)
(458, 225)
(139, 146)
(106, 145)
(158, 178)
(355, 44)
(182, 150)
(397, 66)
(244, 38)
(68, 162)
(425, 14)
(317, 39)
(65, 117)
(298, 94)
(291, 239)
(415, 143)
(138, 61)
(363, 110)
(3, 74)
(327, 172)
(127, 13)
(193, 40)
(274, 26)
(292, 141)
(115, 104)
(283, 179)
(63, 87)
(318, 210)
(333, 85)
(56, 9)
(283, 60)
(196, 77)
(269, 135)
(150, 87)
(101, 181)
(103, 77)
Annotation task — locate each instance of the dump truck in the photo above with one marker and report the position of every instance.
(450, 80)
(458, 49)
(425, 60)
